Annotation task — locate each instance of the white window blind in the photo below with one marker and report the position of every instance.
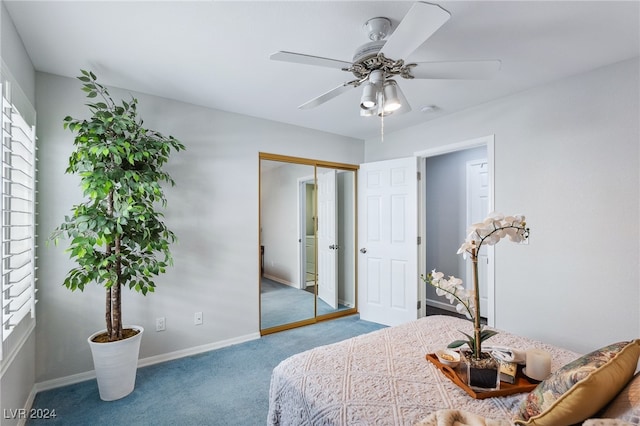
(18, 216)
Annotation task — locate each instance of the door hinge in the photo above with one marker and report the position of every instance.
(419, 304)
(419, 240)
(418, 175)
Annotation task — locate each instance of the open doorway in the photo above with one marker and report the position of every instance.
(456, 191)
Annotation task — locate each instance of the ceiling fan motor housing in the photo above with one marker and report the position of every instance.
(367, 50)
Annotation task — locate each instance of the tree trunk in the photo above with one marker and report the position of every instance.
(116, 289)
(109, 302)
(107, 315)
(114, 301)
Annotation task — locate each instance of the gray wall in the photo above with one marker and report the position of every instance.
(213, 210)
(446, 215)
(567, 156)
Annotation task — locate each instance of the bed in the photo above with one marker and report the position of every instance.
(383, 378)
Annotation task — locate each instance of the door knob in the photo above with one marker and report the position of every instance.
(363, 250)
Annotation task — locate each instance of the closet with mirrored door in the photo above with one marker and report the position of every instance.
(307, 249)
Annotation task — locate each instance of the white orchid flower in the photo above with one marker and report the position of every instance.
(490, 231)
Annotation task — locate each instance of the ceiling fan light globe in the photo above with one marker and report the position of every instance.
(369, 94)
(391, 100)
(391, 106)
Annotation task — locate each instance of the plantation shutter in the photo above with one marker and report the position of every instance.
(18, 216)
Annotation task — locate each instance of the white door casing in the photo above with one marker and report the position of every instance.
(327, 237)
(477, 210)
(388, 238)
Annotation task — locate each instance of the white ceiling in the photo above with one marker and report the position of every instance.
(216, 53)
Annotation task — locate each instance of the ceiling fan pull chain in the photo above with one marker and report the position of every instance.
(381, 108)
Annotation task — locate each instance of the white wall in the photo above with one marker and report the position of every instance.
(567, 156)
(19, 64)
(17, 368)
(213, 210)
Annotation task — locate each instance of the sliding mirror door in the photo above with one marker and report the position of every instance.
(335, 240)
(307, 241)
(286, 295)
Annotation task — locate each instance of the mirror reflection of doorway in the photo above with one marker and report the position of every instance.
(307, 241)
(308, 219)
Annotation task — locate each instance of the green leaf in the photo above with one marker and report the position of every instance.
(485, 334)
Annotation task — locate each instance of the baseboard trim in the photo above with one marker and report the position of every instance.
(144, 362)
(28, 404)
(441, 305)
(280, 280)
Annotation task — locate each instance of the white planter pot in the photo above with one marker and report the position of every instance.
(116, 364)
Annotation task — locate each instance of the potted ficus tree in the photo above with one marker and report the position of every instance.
(117, 236)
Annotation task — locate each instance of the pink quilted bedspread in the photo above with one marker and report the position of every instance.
(383, 378)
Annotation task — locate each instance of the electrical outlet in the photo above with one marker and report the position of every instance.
(160, 324)
(197, 318)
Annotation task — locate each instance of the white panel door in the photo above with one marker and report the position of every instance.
(477, 211)
(327, 237)
(387, 234)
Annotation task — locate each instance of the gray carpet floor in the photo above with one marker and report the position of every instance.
(228, 386)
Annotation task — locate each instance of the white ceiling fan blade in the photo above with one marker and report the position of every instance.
(422, 20)
(301, 58)
(326, 96)
(456, 70)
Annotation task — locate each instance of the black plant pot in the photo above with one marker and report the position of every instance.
(481, 374)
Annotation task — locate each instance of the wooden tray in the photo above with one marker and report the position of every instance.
(521, 384)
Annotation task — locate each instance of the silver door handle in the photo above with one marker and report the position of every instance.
(363, 250)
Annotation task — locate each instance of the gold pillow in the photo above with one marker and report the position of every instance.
(581, 388)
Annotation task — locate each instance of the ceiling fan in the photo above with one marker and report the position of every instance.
(375, 64)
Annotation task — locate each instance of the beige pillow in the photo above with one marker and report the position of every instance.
(626, 405)
(459, 418)
(581, 388)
